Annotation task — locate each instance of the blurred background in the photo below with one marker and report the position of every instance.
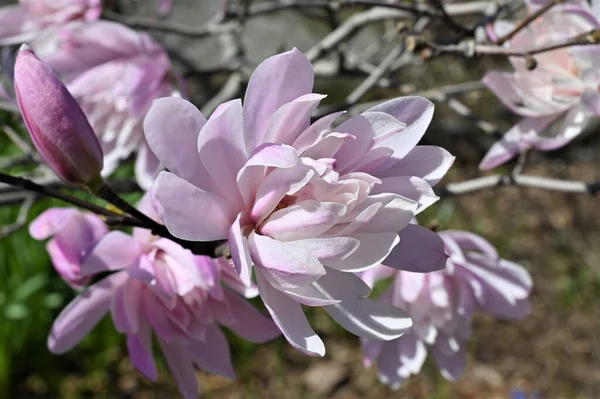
(554, 352)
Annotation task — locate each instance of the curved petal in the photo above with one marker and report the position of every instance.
(147, 167)
(189, 212)
(420, 250)
(417, 113)
(240, 251)
(430, 163)
(172, 126)
(411, 187)
(283, 264)
(250, 324)
(114, 251)
(83, 313)
(371, 319)
(222, 149)
(275, 82)
(451, 366)
(180, 364)
(572, 125)
(213, 353)
(290, 319)
(291, 119)
(469, 241)
(51, 222)
(373, 249)
(377, 273)
(388, 366)
(504, 87)
(140, 353)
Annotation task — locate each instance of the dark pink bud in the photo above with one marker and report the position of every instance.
(58, 127)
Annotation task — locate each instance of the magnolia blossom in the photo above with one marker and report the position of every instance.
(23, 22)
(307, 205)
(563, 87)
(73, 234)
(160, 286)
(114, 73)
(442, 303)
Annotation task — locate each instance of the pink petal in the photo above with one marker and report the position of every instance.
(469, 241)
(373, 249)
(290, 319)
(412, 187)
(302, 220)
(51, 222)
(412, 354)
(115, 251)
(572, 125)
(291, 119)
(326, 249)
(147, 167)
(253, 173)
(315, 132)
(222, 149)
(240, 252)
(212, 354)
(277, 184)
(373, 275)
(180, 364)
(275, 82)
(427, 162)
(282, 263)
(172, 126)
(371, 351)
(420, 250)
(141, 358)
(191, 213)
(416, 112)
(451, 366)
(503, 85)
(370, 318)
(83, 313)
(389, 365)
(250, 324)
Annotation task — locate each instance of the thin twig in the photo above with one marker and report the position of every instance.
(21, 217)
(529, 19)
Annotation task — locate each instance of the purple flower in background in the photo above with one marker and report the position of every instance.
(164, 6)
(442, 303)
(25, 21)
(564, 86)
(114, 73)
(73, 234)
(160, 286)
(306, 204)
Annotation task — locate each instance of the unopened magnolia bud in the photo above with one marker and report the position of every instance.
(58, 127)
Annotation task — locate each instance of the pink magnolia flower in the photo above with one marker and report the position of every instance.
(442, 303)
(307, 205)
(73, 234)
(160, 286)
(564, 86)
(23, 22)
(114, 73)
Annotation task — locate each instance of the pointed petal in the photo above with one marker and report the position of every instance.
(420, 250)
(180, 364)
(240, 251)
(212, 354)
(275, 82)
(191, 213)
(291, 119)
(114, 251)
(290, 319)
(373, 249)
(141, 358)
(83, 313)
(51, 222)
(251, 324)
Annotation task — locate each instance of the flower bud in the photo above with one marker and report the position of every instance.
(58, 127)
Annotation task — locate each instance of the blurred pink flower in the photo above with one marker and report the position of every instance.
(23, 22)
(307, 205)
(160, 286)
(73, 234)
(164, 6)
(442, 303)
(563, 86)
(114, 73)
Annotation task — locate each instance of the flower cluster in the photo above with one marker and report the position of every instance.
(157, 286)
(563, 86)
(441, 305)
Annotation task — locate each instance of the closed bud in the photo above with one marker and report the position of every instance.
(58, 127)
